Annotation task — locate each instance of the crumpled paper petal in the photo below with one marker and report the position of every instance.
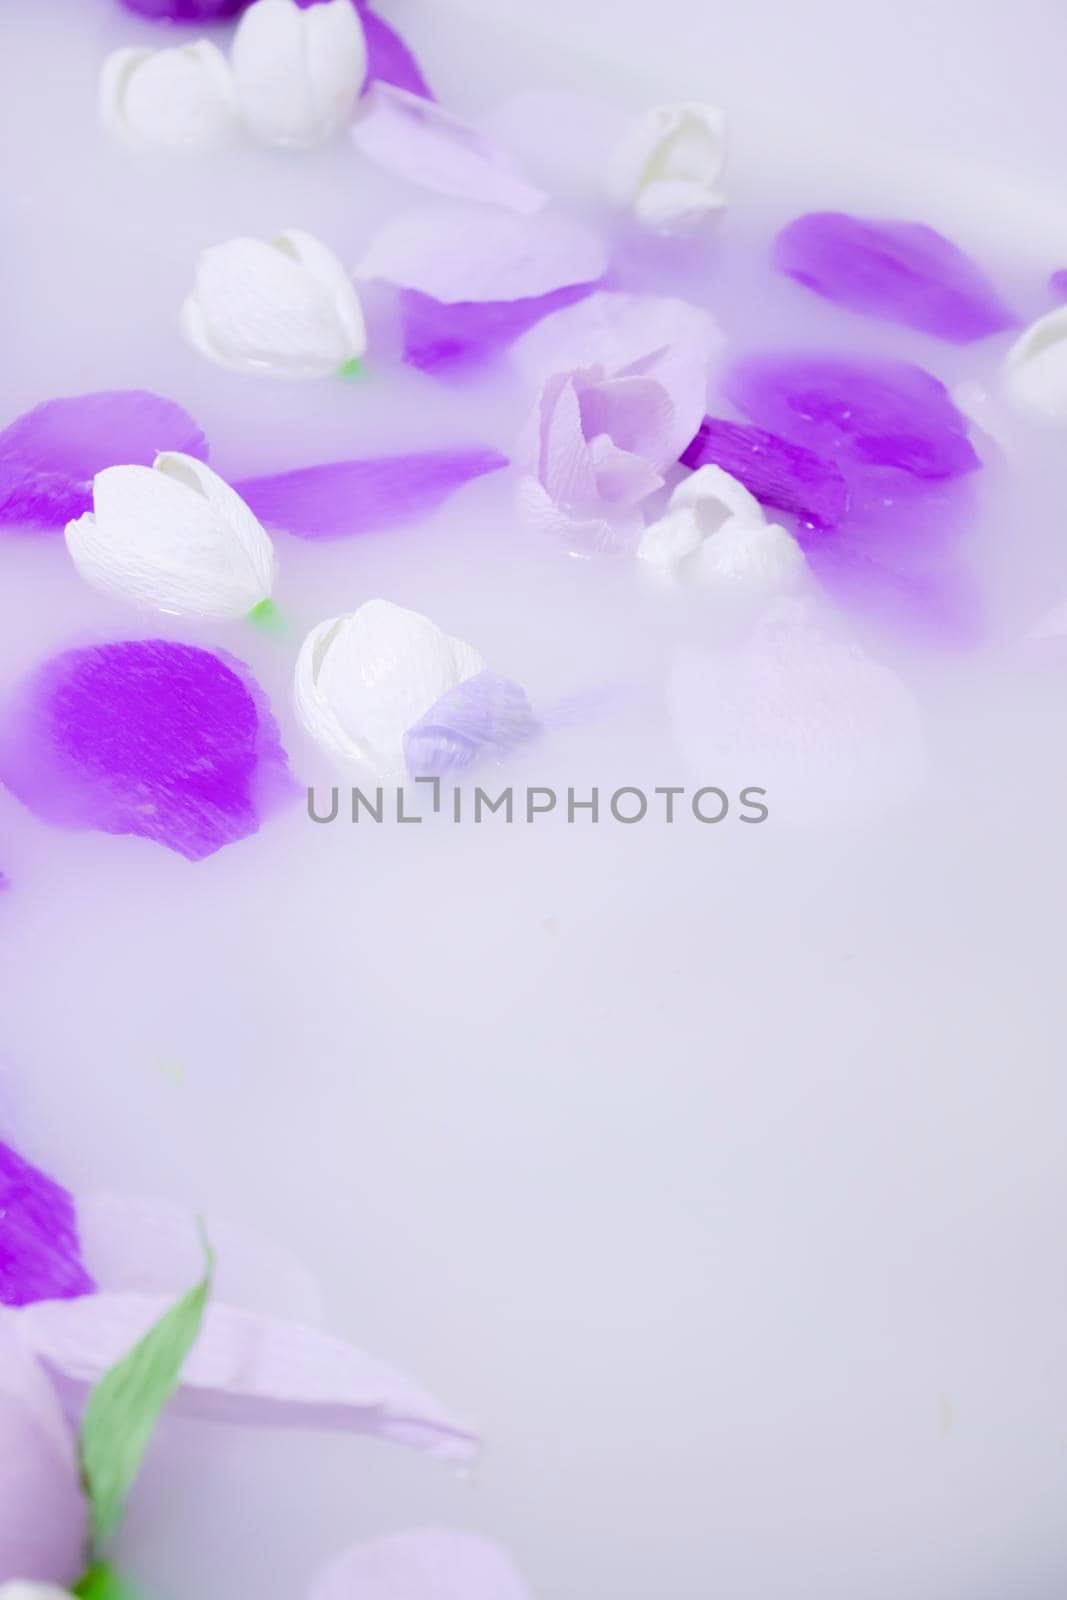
(351, 497)
(779, 473)
(148, 737)
(483, 717)
(43, 1518)
(438, 336)
(416, 139)
(424, 1564)
(862, 414)
(245, 1368)
(468, 252)
(617, 330)
(40, 1254)
(903, 272)
(50, 455)
(389, 58)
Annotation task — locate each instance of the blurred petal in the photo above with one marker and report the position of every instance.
(778, 473)
(482, 253)
(426, 1564)
(349, 497)
(437, 334)
(49, 456)
(43, 1522)
(40, 1256)
(484, 717)
(904, 272)
(417, 139)
(146, 737)
(246, 1368)
(1036, 368)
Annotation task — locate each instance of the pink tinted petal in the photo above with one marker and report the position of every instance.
(904, 272)
(859, 414)
(484, 717)
(425, 1564)
(350, 497)
(50, 455)
(42, 1509)
(40, 1255)
(417, 139)
(438, 335)
(147, 737)
(467, 252)
(782, 476)
(153, 1247)
(246, 1368)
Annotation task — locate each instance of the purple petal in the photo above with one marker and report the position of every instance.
(437, 334)
(42, 1509)
(40, 1257)
(349, 497)
(485, 716)
(425, 1564)
(186, 10)
(148, 737)
(389, 59)
(246, 1368)
(469, 252)
(49, 456)
(859, 414)
(780, 474)
(903, 272)
(1058, 284)
(416, 139)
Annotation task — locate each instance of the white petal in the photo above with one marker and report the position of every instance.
(714, 530)
(364, 679)
(669, 166)
(668, 541)
(1036, 367)
(298, 72)
(717, 495)
(763, 557)
(175, 537)
(182, 98)
(274, 307)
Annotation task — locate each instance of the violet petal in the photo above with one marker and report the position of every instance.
(245, 1368)
(439, 335)
(50, 455)
(149, 737)
(484, 716)
(186, 10)
(40, 1256)
(859, 414)
(349, 497)
(42, 1508)
(1058, 284)
(903, 272)
(780, 474)
(389, 60)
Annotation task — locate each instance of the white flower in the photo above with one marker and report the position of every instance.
(668, 169)
(1036, 367)
(298, 72)
(175, 537)
(182, 98)
(364, 679)
(713, 529)
(286, 306)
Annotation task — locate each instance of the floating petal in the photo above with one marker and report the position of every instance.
(780, 474)
(40, 1254)
(1036, 368)
(43, 1519)
(483, 717)
(440, 335)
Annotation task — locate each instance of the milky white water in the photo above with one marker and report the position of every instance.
(716, 1173)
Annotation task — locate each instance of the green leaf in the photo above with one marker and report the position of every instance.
(124, 1407)
(102, 1583)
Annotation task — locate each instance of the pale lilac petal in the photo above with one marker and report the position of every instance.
(43, 1524)
(246, 1368)
(565, 466)
(585, 535)
(904, 272)
(154, 1247)
(389, 59)
(49, 456)
(416, 139)
(466, 252)
(615, 330)
(860, 414)
(425, 1564)
(147, 737)
(782, 475)
(439, 336)
(40, 1254)
(484, 717)
(635, 412)
(349, 497)
(623, 479)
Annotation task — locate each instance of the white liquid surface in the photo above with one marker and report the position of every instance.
(716, 1173)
